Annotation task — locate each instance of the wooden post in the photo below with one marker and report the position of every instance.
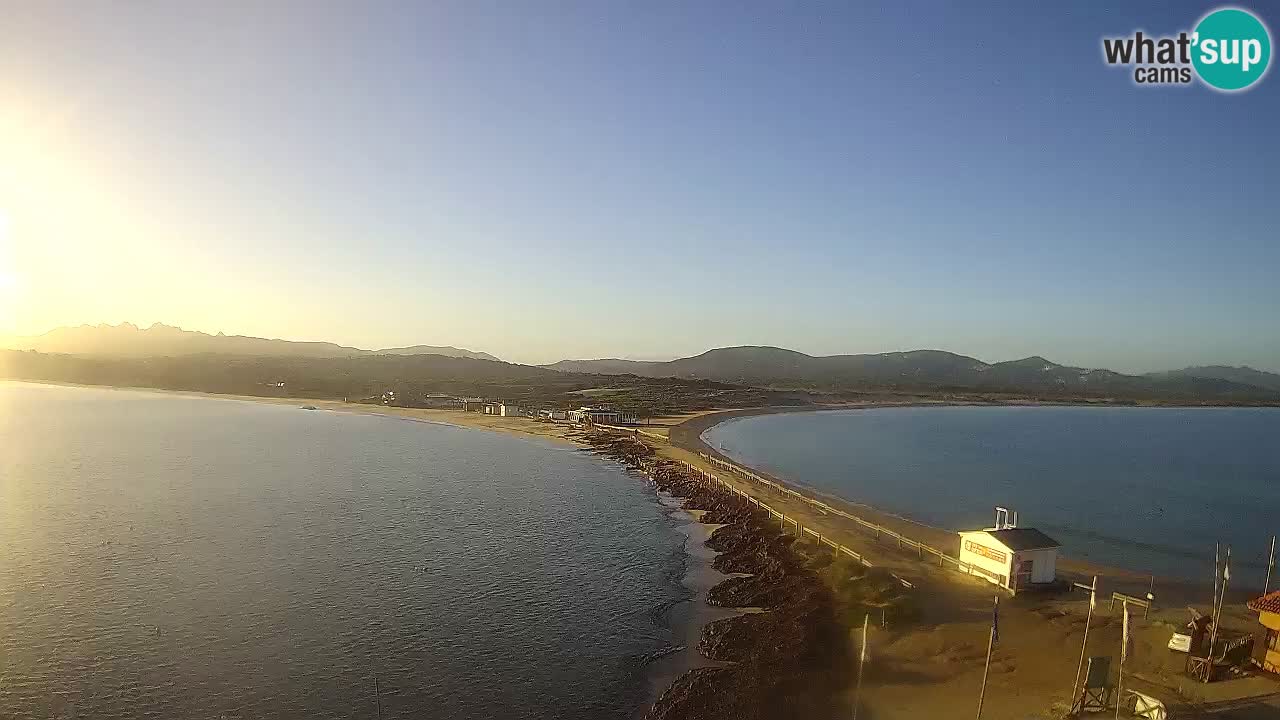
(1120, 686)
(991, 643)
(1084, 644)
(377, 696)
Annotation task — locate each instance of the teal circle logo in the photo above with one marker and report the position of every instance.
(1231, 49)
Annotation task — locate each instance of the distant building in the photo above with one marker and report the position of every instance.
(1009, 556)
(472, 404)
(509, 410)
(441, 401)
(600, 416)
(553, 414)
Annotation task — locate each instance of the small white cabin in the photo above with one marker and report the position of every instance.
(506, 410)
(1009, 556)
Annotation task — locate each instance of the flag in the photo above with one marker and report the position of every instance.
(1125, 648)
(995, 621)
(862, 655)
(1226, 568)
(1093, 595)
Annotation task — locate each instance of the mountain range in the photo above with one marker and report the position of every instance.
(159, 340)
(1242, 375)
(921, 369)
(759, 366)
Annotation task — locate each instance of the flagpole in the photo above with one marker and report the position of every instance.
(1217, 576)
(862, 659)
(1213, 637)
(1271, 563)
(1124, 651)
(1084, 644)
(991, 643)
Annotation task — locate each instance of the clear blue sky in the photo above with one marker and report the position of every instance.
(645, 179)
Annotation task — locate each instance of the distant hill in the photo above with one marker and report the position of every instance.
(446, 350)
(608, 366)
(1243, 375)
(923, 370)
(365, 378)
(159, 340)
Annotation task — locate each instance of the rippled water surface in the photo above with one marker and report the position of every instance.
(1150, 489)
(168, 556)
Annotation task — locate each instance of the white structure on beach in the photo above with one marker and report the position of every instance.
(601, 416)
(502, 409)
(1009, 556)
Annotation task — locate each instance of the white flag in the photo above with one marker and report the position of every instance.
(1124, 648)
(862, 657)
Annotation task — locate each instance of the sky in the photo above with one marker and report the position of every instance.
(549, 180)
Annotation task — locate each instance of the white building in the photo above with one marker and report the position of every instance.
(506, 410)
(601, 416)
(1009, 556)
(553, 414)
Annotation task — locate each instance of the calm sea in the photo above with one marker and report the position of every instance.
(168, 556)
(1150, 489)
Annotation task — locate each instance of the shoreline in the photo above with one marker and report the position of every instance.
(952, 630)
(688, 436)
(779, 647)
(699, 576)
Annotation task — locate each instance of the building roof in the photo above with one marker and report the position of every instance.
(1017, 539)
(1267, 603)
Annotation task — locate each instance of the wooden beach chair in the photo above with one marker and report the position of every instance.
(1095, 696)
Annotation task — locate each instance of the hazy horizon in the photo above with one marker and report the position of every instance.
(594, 180)
(4, 340)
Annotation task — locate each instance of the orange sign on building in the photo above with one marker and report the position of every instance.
(985, 551)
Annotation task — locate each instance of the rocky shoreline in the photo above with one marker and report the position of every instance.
(794, 659)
